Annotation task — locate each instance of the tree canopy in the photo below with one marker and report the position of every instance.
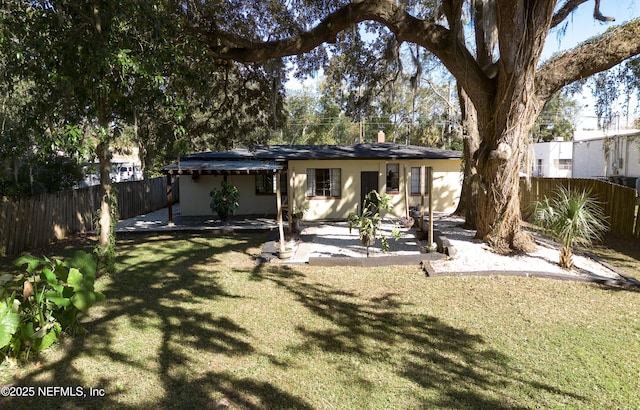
(77, 76)
(179, 75)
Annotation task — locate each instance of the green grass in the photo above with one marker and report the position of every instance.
(621, 252)
(191, 320)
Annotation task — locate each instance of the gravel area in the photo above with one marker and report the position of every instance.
(333, 240)
(473, 255)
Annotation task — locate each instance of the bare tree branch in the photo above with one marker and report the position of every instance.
(596, 55)
(598, 16)
(566, 9)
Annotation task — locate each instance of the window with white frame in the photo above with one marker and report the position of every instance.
(323, 182)
(564, 164)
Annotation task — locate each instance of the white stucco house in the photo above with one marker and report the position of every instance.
(553, 159)
(615, 157)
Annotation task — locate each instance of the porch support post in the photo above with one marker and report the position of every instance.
(279, 213)
(430, 184)
(423, 175)
(170, 199)
(407, 185)
(290, 195)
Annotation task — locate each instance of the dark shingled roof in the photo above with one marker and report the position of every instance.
(225, 167)
(273, 159)
(383, 150)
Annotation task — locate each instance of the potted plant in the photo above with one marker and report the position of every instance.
(224, 201)
(296, 215)
(406, 222)
(370, 221)
(285, 253)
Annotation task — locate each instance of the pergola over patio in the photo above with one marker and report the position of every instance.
(195, 168)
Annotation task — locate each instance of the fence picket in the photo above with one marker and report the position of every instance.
(29, 223)
(617, 201)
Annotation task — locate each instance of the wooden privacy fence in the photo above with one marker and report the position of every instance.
(34, 222)
(140, 197)
(617, 201)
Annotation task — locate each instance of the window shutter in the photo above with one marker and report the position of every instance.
(335, 182)
(311, 179)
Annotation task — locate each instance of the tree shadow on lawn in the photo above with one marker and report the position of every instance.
(155, 293)
(454, 368)
(160, 293)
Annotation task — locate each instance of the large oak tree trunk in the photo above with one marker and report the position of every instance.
(504, 128)
(468, 205)
(505, 138)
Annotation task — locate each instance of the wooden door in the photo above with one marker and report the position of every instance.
(368, 183)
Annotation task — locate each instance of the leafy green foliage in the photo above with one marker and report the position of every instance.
(224, 201)
(37, 175)
(369, 221)
(556, 119)
(573, 217)
(45, 302)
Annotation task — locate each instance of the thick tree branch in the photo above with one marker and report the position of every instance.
(571, 5)
(566, 9)
(228, 46)
(435, 38)
(598, 16)
(595, 55)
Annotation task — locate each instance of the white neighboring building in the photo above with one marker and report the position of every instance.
(614, 157)
(553, 159)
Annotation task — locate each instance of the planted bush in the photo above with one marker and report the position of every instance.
(224, 201)
(369, 221)
(572, 217)
(37, 307)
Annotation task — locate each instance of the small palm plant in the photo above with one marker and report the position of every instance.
(573, 217)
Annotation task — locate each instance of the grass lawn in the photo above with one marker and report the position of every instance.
(191, 321)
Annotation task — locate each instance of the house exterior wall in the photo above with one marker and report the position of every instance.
(447, 183)
(588, 159)
(552, 158)
(609, 157)
(591, 159)
(196, 197)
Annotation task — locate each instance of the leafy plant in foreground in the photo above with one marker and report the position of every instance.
(45, 302)
(573, 217)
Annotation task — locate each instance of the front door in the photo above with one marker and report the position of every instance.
(368, 183)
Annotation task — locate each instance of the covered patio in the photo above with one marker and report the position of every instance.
(197, 168)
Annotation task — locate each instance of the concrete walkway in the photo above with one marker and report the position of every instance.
(158, 221)
(318, 243)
